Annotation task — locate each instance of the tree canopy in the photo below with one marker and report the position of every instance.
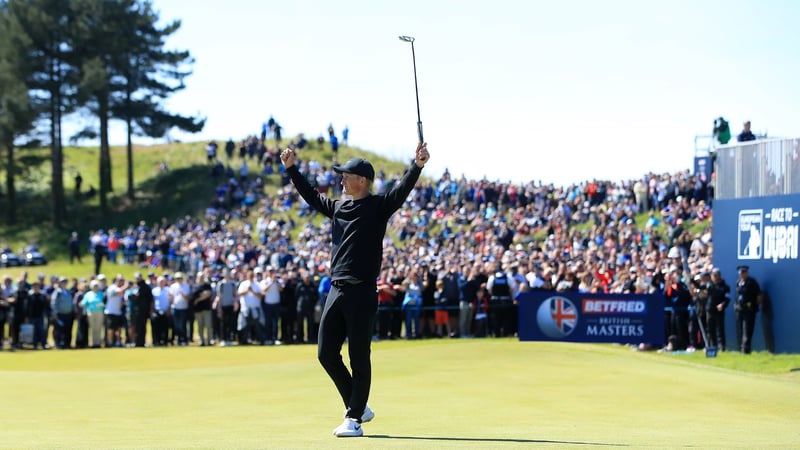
(102, 58)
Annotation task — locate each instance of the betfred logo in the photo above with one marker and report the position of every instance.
(598, 306)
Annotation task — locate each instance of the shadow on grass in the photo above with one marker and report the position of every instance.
(498, 440)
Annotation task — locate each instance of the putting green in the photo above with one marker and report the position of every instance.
(426, 394)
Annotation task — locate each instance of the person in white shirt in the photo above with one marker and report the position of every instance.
(159, 322)
(114, 311)
(251, 317)
(179, 298)
(272, 287)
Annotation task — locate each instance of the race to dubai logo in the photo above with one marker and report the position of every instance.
(751, 223)
(557, 317)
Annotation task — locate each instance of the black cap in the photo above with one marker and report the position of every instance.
(357, 166)
(743, 268)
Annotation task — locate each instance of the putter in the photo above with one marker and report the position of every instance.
(416, 89)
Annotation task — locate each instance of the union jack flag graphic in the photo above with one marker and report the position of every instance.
(564, 314)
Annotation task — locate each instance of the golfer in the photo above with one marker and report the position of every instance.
(359, 224)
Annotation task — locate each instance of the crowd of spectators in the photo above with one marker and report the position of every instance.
(455, 256)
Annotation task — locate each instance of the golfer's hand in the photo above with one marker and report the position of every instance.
(288, 158)
(422, 156)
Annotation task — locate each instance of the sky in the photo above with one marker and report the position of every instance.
(558, 92)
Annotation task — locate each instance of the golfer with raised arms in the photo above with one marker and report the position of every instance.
(358, 227)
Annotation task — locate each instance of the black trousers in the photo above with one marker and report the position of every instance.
(305, 328)
(745, 325)
(680, 328)
(62, 334)
(349, 314)
(228, 324)
(159, 326)
(384, 321)
(716, 329)
(3, 318)
(82, 335)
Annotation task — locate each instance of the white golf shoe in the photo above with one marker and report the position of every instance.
(349, 428)
(368, 414)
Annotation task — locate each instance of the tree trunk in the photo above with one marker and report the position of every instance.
(130, 160)
(11, 193)
(56, 151)
(105, 157)
(59, 200)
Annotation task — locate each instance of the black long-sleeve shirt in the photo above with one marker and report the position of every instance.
(358, 225)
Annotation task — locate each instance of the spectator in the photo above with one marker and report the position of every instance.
(37, 308)
(306, 297)
(226, 303)
(441, 318)
(93, 304)
(251, 317)
(114, 311)
(179, 293)
(412, 303)
(7, 294)
(74, 246)
(159, 320)
(386, 295)
(746, 135)
(230, 146)
(271, 286)
(201, 298)
(63, 310)
(289, 313)
(481, 307)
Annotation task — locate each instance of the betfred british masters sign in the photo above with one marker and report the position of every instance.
(576, 317)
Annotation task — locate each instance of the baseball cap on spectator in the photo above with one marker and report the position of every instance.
(62, 279)
(357, 166)
(178, 275)
(258, 270)
(716, 270)
(741, 269)
(101, 277)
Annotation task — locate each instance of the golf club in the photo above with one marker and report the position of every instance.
(416, 89)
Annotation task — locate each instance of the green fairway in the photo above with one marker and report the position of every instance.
(426, 394)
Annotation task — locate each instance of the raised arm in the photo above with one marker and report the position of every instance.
(398, 194)
(317, 201)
